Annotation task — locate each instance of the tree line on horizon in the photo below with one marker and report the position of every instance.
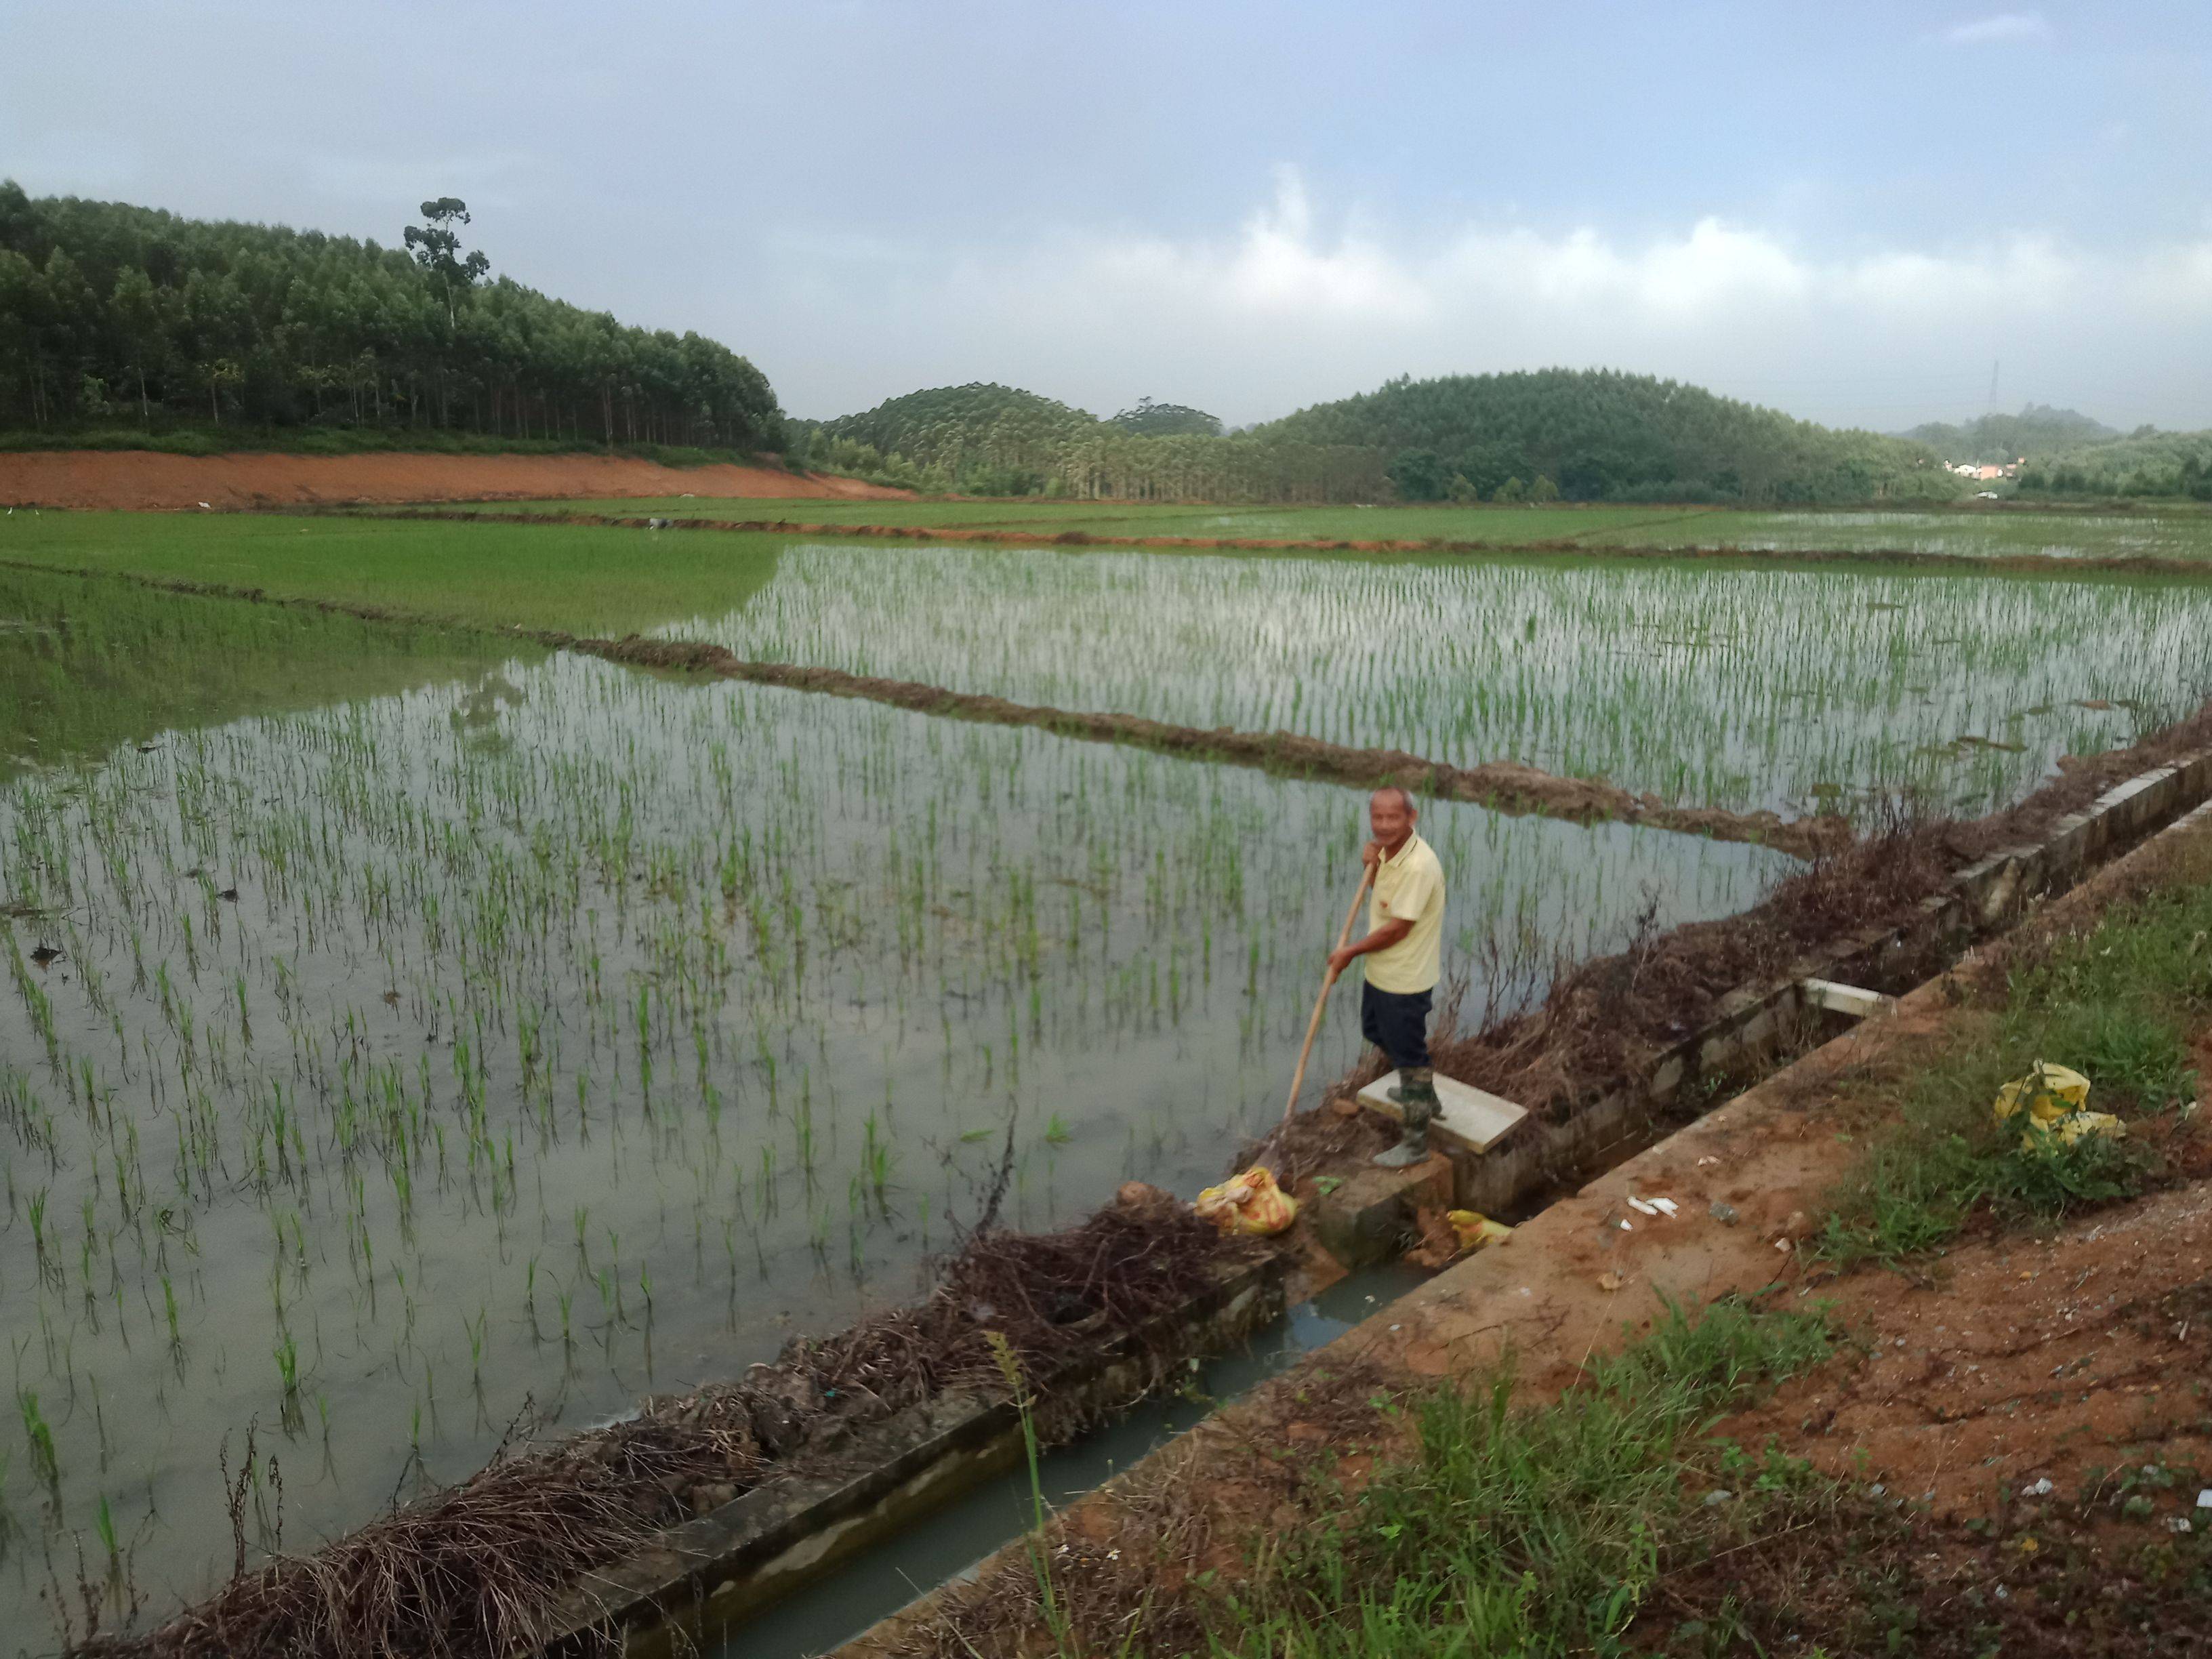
(2065, 452)
(983, 439)
(1544, 435)
(114, 316)
(1605, 434)
(112, 313)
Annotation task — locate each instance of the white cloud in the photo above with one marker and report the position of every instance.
(1294, 304)
(1281, 267)
(1276, 267)
(2003, 26)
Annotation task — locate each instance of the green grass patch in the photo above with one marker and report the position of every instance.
(558, 576)
(86, 663)
(1541, 1530)
(2117, 1004)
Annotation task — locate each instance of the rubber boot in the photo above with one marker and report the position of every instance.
(1415, 1096)
(1416, 1084)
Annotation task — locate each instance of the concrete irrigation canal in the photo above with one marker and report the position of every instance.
(709, 1581)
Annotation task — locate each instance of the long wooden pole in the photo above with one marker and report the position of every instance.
(1328, 979)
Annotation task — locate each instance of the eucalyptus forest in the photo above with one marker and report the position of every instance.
(113, 314)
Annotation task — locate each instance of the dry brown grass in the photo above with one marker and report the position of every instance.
(477, 1568)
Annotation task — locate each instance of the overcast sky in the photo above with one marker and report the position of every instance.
(1852, 212)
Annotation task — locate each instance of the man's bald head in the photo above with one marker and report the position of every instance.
(1391, 815)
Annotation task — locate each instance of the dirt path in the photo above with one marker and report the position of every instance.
(2071, 1357)
(2020, 1433)
(144, 479)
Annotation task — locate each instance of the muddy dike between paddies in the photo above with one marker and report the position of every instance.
(478, 1568)
(1499, 786)
(1502, 785)
(681, 1461)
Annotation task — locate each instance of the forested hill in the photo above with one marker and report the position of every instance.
(2145, 463)
(115, 315)
(984, 438)
(933, 427)
(1598, 435)
(2038, 429)
(2070, 454)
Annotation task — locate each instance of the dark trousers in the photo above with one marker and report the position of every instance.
(1397, 1022)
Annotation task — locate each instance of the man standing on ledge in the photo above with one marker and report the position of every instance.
(1404, 930)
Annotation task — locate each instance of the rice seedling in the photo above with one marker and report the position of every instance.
(44, 1458)
(104, 1523)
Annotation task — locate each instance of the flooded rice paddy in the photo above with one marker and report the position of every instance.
(2173, 531)
(1789, 690)
(2179, 534)
(407, 1043)
(1737, 684)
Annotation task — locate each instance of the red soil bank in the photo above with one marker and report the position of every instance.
(144, 479)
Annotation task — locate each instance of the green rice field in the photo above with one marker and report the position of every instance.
(1742, 682)
(1742, 688)
(409, 1034)
(1505, 526)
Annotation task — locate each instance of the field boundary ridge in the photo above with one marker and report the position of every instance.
(1044, 538)
(1500, 786)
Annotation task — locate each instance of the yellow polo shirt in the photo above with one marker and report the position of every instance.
(1409, 886)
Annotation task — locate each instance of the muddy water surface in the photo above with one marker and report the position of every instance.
(379, 1075)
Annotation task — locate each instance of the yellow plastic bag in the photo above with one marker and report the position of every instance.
(1248, 1203)
(1476, 1229)
(2052, 1096)
(2047, 1094)
(2074, 1125)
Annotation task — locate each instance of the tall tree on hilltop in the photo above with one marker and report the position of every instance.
(437, 249)
(1152, 420)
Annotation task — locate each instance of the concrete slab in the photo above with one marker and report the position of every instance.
(1476, 1119)
(1369, 1215)
(1849, 999)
